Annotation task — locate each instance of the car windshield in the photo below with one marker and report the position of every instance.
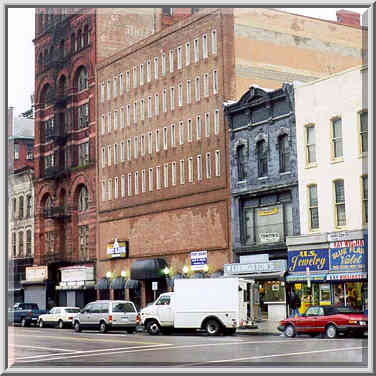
(72, 310)
(337, 310)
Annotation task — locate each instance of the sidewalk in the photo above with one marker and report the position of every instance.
(264, 327)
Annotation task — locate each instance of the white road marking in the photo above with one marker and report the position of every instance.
(276, 355)
(152, 348)
(39, 347)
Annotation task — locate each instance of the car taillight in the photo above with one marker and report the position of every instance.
(70, 318)
(138, 318)
(109, 318)
(353, 322)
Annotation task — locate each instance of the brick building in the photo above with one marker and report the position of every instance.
(163, 171)
(68, 44)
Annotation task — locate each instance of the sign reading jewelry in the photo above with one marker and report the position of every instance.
(347, 256)
(118, 249)
(317, 260)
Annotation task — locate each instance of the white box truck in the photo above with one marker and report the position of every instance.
(217, 305)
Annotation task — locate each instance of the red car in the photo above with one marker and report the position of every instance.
(328, 320)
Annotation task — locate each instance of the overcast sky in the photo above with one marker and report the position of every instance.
(21, 32)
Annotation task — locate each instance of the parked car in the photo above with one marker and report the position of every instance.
(328, 320)
(24, 314)
(107, 315)
(58, 316)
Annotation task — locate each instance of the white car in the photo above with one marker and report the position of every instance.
(58, 317)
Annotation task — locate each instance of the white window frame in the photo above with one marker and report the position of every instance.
(173, 173)
(143, 181)
(121, 86)
(115, 154)
(182, 172)
(207, 124)
(197, 89)
(187, 53)
(103, 156)
(151, 179)
(122, 186)
(157, 140)
(196, 50)
(135, 77)
(109, 125)
(115, 119)
(172, 98)
(171, 60)
(135, 147)
(165, 175)
(150, 105)
(103, 125)
(173, 135)
(190, 170)
(215, 82)
(217, 163)
(189, 92)
(156, 68)
(135, 112)
(204, 46)
(181, 133)
(108, 90)
(142, 109)
(208, 166)
(109, 153)
(109, 189)
(180, 94)
(156, 104)
(164, 100)
(198, 127)
(206, 84)
(214, 41)
(142, 73)
(148, 71)
(164, 138)
(129, 184)
(150, 142)
(122, 118)
(128, 115)
(116, 188)
(179, 53)
(216, 122)
(158, 177)
(142, 141)
(127, 80)
(163, 64)
(136, 187)
(122, 151)
(189, 130)
(199, 167)
(129, 149)
(104, 190)
(114, 87)
(102, 91)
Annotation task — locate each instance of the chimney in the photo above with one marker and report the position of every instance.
(348, 18)
(10, 121)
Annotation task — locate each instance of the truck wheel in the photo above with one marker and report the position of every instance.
(77, 327)
(60, 324)
(41, 323)
(24, 322)
(102, 327)
(331, 331)
(213, 327)
(152, 327)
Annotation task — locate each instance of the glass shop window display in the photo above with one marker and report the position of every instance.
(274, 292)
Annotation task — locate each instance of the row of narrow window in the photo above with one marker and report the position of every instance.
(340, 203)
(110, 187)
(151, 106)
(20, 211)
(20, 249)
(138, 72)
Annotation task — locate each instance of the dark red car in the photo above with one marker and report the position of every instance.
(328, 320)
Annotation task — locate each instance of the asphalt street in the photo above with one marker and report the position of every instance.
(49, 347)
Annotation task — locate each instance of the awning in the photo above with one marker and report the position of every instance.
(346, 276)
(148, 269)
(303, 277)
(118, 283)
(103, 284)
(132, 284)
(260, 276)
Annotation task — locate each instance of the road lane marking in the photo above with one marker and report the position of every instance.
(39, 347)
(275, 355)
(79, 338)
(157, 347)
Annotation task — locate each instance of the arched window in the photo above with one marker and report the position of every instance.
(82, 83)
(241, 159)
(87, 35)
(83, 199)
(262, 158)
(20, 243)
(283, 147)
(28, 243)
(46, 96)
(21, 207)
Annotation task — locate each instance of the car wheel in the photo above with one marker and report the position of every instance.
(152, 327)
(290, 331)
(213, 327)
(24, 322)
(130, 330)
(102, 327)
(77, 327)
(41, 323)
(331, 331)
(60, 324)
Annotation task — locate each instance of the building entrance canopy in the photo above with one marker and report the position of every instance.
(148, 269)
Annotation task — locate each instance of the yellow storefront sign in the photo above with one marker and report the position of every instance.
(268, 212)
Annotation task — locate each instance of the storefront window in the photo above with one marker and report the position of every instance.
(324, 294)
(338, 294)
(354, 295)
(274, 292)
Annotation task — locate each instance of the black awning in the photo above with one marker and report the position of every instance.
(103, 284)
(132, 284)
(148, 269)
(118, 283)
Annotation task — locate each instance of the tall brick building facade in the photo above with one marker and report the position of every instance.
(68, 44)
(163, 171)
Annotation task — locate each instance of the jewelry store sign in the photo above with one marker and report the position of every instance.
(256, 268)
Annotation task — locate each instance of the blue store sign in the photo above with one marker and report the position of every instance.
(317, 260)
(348, 256)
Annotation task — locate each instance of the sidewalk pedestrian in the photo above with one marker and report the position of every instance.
(294, 303)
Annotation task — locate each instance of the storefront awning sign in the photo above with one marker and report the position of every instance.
(199, 260)
(304, 277)
(346, 276)
(265, 267)
(317, 260)
(347, 256)
(118, 249)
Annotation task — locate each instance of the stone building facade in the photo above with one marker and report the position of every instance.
(163, 163)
